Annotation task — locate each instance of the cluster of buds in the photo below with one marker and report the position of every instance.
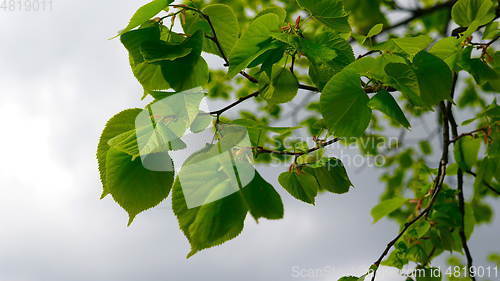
(294, 29)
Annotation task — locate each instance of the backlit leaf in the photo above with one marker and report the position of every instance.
(386, 207)
(344, 105)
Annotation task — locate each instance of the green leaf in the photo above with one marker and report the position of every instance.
(262, 199)
(344, 105)
(491, 31)
(403, 78)
(386, 207)
(322, 71)
(315, 52)
(466, 151)
(332, 176)
(211, 224)
(160, 127)
(329, 12)
(157, 51)
(145, 13)
(375, 30)
(373, 67)
(118, 124)
(301, 186)
(253, 43)
(280, 12)
(190, 71)
(481, 71)
(201, 122)
(221, 214)
(469, 220)
(467, 12)
(283, 87)
(406, 45)
(434, 78)
(134, 187)
(384, 102)
(448, 49)
(226, 25)
(149, 75)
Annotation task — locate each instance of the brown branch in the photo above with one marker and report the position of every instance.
(368, 89)
(437, 186)
(471, 133)
(460, 188)
(240, 100)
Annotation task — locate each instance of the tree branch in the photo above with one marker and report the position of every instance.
(460, 188)
(489, 186)
(471, 133)
(417, 14)
(240, 100)
(437, 186)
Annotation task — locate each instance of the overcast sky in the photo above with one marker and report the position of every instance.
(60, 81)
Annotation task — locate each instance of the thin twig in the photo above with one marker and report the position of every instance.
(471, 133)
(240, 100)
(437, 186)
(489, 186)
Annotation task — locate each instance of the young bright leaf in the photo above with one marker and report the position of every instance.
(329, 12)
(434, 78)
(447, 49)
(135, 188)
(384, 102)
(466, 12)
(466, 151)
(145, 13)
(344, 105)
(149, 75)
(280, 12)
(222, 215)
(283, 87)
(406, 45)
(211, 224)
(254, 42)
(301, 186)
(386, 207)
(118, 124)
(226, 25)
(469, 220)
(375, 30)
(332, 176)
(373, 67)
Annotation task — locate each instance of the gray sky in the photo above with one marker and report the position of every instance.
(60, 80)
